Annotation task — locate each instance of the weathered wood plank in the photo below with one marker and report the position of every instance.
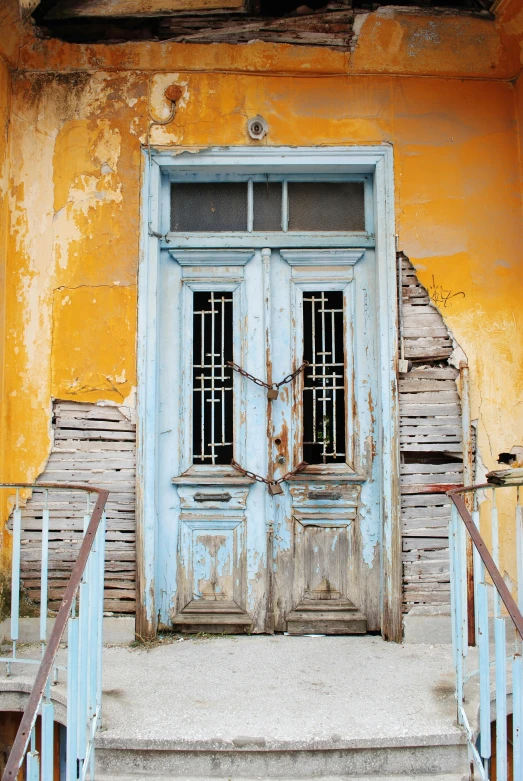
(93, 445)
(416, 410)
(412, 469)
(66, 9)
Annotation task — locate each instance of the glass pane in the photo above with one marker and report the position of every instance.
(323, 407)
(212, 378)
(213, 206)
(326, 206)
(267, 206)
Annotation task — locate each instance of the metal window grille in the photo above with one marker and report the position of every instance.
(212, 378)
(323, 406)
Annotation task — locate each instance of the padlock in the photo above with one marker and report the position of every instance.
(272, 394)
(275, 489)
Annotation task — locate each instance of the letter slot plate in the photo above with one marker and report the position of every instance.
(201, 497)
(331, 496)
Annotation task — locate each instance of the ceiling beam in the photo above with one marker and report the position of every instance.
(68, 9)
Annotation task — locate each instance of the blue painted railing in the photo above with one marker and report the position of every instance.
(81, 612)
(489, 678)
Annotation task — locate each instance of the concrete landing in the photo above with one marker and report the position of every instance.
(262, 692)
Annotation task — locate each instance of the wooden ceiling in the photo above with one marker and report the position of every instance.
(307, 22)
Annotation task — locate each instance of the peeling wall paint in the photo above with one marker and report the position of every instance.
(434, 88)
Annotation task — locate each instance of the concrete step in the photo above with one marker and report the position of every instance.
(377, 762)
(423, 777)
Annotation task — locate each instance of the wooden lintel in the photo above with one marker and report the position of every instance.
(67, 9)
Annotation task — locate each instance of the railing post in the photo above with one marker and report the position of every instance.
(83, 678)
(517, 713)
(44, 569)
(72, 699)
(468, 479)
(456, 592)
(501, 698)
(15, 571)
(484, 671)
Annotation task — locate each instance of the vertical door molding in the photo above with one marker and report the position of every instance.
(391, 624)
(147, 346)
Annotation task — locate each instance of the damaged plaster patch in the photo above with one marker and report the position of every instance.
(92, 329)
(85, 166)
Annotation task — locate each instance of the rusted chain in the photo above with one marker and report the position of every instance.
(273, 485)
(262, 383)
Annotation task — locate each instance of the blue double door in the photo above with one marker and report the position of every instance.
(268, 449)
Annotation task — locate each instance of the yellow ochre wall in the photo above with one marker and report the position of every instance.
(442, 90)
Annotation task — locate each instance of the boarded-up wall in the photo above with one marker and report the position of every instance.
(430, 445)
(96, 445)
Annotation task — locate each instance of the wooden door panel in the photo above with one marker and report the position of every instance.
(212, 581)
(325, 555)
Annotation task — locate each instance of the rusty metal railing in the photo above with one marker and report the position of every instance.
(81, 610)
(493, 608)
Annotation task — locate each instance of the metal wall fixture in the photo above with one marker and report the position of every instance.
(257, 128)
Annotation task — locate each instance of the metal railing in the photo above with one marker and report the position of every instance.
(489, 679)
(81, 610)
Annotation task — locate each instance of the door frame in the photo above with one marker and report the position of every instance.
(374, 159)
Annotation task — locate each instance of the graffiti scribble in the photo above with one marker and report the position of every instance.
(439, 295)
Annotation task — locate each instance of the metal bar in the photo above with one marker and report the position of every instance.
(72, 699)
(501, 699)
(44, 570)
(462, 553)
(323, 398)
(94, 629)
(473, 752)
(313, 372)
(15, 571)
(284, 206)
(101, 565)
(517, 716)
(458, 634)
(453, 587)
(47, 741)
(33, 766)
(519, 547)
(202, 381)
(468, 478)
(484, 671)
(487, 559)
(28, 719)
(478, 566)
(213, 380)
(83, 678)
(334, 384)
(495, 548)
(250, 206)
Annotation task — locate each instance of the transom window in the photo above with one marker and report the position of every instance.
(267, 204)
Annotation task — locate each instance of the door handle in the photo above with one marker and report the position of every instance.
(200, 497)
(331, 496)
